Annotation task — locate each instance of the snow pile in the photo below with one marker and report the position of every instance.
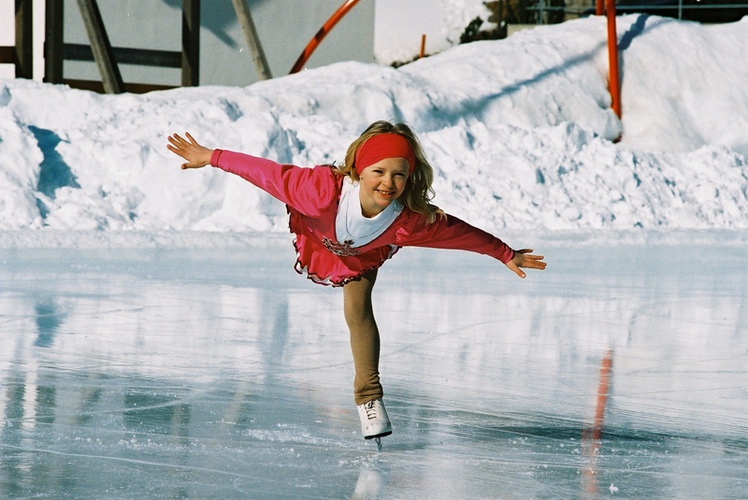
(520, 132)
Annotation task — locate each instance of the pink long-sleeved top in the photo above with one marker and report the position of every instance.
(312, 195)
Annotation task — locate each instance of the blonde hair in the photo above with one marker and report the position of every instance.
(418, 192)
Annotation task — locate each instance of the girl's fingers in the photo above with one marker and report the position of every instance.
(179, 146)
(179, 141)
(515, 269)
(529, 260)
(535, 263)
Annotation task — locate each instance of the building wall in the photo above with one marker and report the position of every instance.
(284, 28)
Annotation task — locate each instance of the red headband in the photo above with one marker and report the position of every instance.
(382, 146)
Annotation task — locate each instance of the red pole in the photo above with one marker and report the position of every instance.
(322, 33)
(422, 53)
(602, 395)
(599, 7)
(591, 437)
(615, 88)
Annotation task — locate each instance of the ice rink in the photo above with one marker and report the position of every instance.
(620, 371)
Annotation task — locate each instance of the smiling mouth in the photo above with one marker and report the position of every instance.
(385, 193)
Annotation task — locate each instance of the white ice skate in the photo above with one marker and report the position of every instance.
(374, 420)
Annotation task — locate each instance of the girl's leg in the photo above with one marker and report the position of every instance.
(359, 315)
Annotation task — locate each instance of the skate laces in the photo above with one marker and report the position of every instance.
(374, 420)
(372, 410)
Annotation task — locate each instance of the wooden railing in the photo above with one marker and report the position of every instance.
(21, 54)
(99, 50)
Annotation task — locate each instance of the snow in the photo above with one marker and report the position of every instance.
(398, 26)
(520, 132)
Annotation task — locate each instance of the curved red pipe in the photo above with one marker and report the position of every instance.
(322, 33)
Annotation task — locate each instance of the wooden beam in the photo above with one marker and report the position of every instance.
(7, 55)
(253, 40)
(190, 43)
(53, 41)
(101, 47)
(133, 88)
(24, 39)
(139, 57)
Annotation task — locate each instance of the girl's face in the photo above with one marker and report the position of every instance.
(382, 183)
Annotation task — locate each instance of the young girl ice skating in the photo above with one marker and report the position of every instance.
(349, 220)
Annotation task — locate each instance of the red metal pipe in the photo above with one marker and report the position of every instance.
(615, 87)
(322, 33)
(591, 437)
(602, 395)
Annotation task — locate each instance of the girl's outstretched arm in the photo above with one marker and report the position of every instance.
(525, 258)
(197, 156)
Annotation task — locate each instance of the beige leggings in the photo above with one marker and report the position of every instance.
(359, 315)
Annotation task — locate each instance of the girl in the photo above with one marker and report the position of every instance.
(348, 221)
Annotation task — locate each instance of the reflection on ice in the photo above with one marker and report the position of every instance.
(173, 373)
(48, 320)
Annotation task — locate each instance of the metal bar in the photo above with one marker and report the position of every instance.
(53, 41)
(725, 6)
(102, 49)
(252, 38)
(190, 43)
(24, 58)
(615, 88)
(540, 4)
(140, 57)
(322, 33)
(621, 8)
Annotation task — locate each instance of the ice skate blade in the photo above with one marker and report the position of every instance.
(378, 436)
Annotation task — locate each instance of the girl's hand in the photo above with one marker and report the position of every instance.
(197, 156)
(524, 258)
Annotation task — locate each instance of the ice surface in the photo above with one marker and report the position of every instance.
(164, 372)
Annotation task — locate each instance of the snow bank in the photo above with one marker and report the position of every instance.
(520, 132)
